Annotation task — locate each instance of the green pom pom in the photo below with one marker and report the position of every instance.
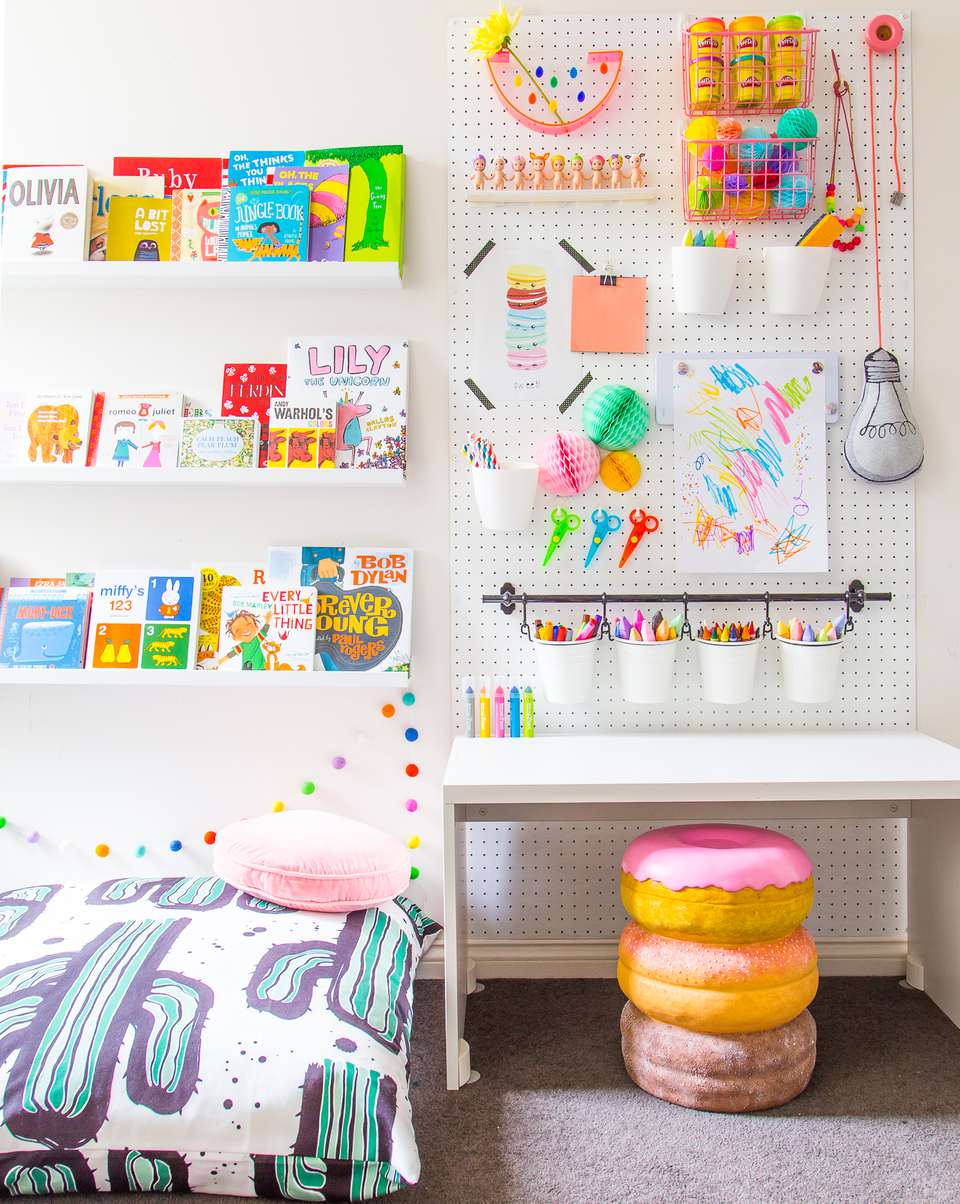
(797, 125)
(615, 417)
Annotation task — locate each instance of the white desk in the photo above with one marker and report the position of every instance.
(693, 775)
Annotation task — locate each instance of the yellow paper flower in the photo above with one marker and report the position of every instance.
(491, 37)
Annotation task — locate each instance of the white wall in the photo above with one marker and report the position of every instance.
(84, 81)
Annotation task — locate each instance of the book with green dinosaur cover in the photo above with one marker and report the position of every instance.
(375, 201)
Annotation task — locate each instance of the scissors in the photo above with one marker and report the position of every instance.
(643, 523)
(603, 524)
(564, 521)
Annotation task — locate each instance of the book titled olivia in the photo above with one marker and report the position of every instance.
(46, 212)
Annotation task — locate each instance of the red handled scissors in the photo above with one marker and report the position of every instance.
(643, 524)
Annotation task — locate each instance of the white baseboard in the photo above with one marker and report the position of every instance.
(598, 958)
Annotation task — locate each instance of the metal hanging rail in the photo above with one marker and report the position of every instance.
(854, 598)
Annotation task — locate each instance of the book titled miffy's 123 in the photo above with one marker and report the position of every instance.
(142, 620)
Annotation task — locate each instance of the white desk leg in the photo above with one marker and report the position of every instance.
(454, 949)
(933, 901)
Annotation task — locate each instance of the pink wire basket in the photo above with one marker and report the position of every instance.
(739, 72)
(748, 179)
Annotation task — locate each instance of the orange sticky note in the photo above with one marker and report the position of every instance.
(609, 317)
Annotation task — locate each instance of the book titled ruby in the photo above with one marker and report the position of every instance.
(178, 171)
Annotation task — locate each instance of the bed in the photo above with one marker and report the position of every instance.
(176, 1034)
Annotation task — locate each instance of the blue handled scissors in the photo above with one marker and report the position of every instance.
(564, 521)
(603, 525)
(643, 524)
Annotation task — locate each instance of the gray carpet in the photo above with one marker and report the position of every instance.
(555, 1120)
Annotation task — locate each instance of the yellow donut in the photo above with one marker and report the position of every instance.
(708, 913)
(718, 988)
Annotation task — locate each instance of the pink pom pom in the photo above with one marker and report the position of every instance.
(569, 463)
(713, 157)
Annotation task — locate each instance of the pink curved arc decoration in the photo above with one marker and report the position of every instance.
(614, 63)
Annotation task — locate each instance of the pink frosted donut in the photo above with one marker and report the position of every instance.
(730, 856)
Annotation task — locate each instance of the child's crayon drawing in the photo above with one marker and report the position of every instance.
(750, 464)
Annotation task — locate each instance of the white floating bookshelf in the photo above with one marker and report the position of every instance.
(201, 679)
(562, 196)
(245, 478)
(47, 274)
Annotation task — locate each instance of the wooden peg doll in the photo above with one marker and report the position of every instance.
(519, 178)
(616, 170)
(480, 176)
(576, 172)
(498, 177)
(597, 178)
(557, 164)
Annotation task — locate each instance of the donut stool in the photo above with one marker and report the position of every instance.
(720, 883)
(742, 1072)
(718, 988)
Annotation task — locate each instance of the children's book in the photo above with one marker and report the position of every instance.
(46, 212)
(178, 171)
(364, 600)
(139, 430)
(365, 380)
(375, 202)
(34, 582)
(220, 443)
(139, 229)
(102, 193)
(249, 167)
(269, 222)
(329, 183)
(96, 419)
(44, 627)
(195, 225)
(268, 627)
(213, 581)
(305, 420)
(143, 621)
(44, 428)
(249, 391)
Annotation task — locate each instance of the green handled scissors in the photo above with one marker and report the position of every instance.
(564, 521)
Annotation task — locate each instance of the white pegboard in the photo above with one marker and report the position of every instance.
(871, 527)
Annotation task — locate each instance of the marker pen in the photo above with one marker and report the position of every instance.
(469, 708)
(514, 712)
(499, 713)
(484, 704)
(527, 711)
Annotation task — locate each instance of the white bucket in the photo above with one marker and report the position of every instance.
(505, 495)
(796, 278)
(811, 672)
(566, 670)
(645, 669)
(703, 278)
(729, 670)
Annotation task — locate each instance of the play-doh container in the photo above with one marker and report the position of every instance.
(786, 77)
(645, 669)
(811, 671)
(505, 495)
(706, 35)
(706, 81)
(749, 75)
(729, 671)
(566, 671)
(703, 278)
(784, 33)
(795, 278)
(748, 33)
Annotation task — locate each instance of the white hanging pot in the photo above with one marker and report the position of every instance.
(811, 671)
(729, 670)
(796, 278)
(505, 495)
(566, 671)
(645, 669)
(703, 278)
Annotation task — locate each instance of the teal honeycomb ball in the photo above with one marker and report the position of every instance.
(798, 126)
(615, 417)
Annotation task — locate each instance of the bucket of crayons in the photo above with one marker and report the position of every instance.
(504, 492)
(567, 660)
(704, 275)
(810, 660)
(646, 650)
(729, 654)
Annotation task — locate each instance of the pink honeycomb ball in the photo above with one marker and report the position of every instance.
(713, 157)
(569, 463)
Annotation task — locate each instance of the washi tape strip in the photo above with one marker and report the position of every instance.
(479, 394)
(480, 256)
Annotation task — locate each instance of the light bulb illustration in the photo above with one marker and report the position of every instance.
(884, 442)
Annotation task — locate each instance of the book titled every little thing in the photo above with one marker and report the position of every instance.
(46, 212)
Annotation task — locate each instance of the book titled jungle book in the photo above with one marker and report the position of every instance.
(267, 628)
(375, 201)
(269, 222)
(364, 604)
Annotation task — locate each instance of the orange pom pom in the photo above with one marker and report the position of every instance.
(209, 838)
(102, 850)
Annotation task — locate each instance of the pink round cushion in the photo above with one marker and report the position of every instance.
(312, 861)
(729, 856)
